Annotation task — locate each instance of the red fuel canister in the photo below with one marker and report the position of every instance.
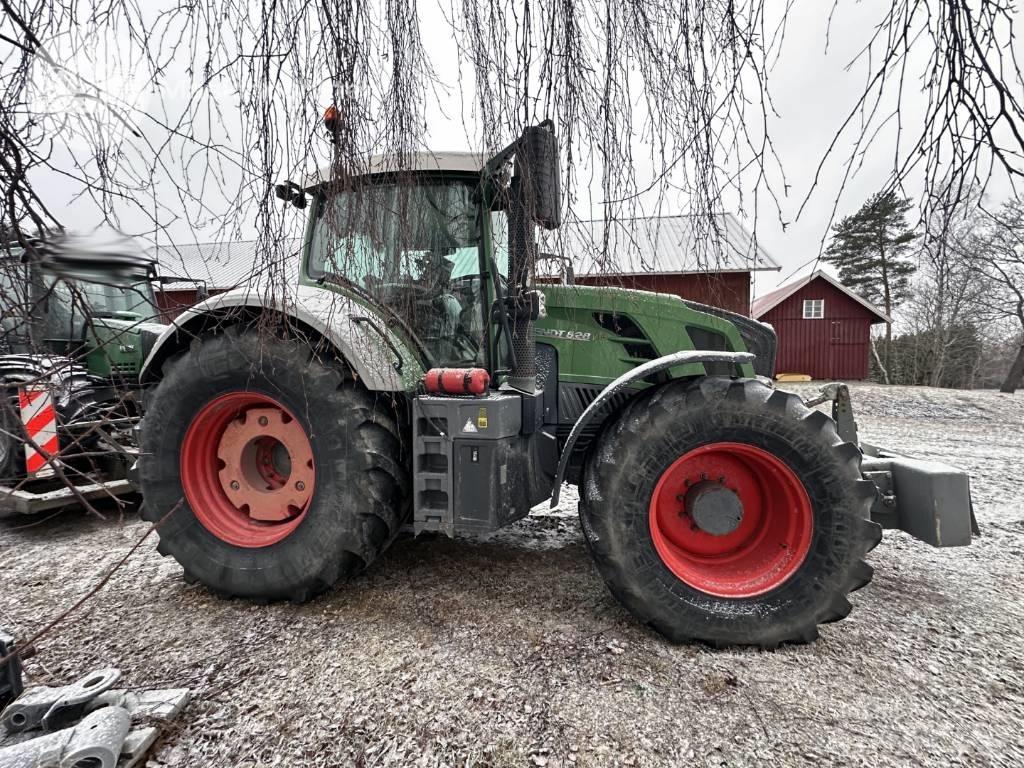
(456, 381)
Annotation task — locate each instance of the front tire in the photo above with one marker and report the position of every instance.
(286, 476)
(727, 512)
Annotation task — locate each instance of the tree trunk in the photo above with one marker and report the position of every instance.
(1013, 378)
(887, 296)
(878, 361)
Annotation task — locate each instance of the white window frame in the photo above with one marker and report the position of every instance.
(814, 309)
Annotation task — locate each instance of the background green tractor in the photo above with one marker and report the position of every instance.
(70, 356)
(416, 375)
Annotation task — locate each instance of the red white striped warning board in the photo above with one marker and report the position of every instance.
(40, 422)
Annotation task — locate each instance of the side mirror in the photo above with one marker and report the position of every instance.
(290, 192)
(537, 162)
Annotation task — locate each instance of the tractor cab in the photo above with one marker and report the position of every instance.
(445, 242)
(42, 314)
(412, 243)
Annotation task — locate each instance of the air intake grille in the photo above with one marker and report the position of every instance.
(625, 327)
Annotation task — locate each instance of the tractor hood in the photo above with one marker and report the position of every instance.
(602, 330)
(118, 346)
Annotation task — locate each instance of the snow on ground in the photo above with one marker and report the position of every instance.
(510, 652)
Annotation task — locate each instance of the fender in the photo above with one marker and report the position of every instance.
(383, 360)
(625, 380)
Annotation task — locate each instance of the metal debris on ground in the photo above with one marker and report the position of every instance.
(86, 723)
(54, 708)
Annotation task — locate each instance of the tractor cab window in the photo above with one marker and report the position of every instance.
(69, 308)
(59, 316)
(413, 247)
(135, 303)
(15, 306)
(499, 236)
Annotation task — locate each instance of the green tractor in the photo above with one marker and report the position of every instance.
(70, 356)
(418, 376)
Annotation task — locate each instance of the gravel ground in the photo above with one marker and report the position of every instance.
(510, 652)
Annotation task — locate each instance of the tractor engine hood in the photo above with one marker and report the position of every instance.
(660, 323)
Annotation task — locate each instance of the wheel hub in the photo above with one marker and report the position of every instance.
(731, 520)
(247, 469)
(266, 464)
(714, 508)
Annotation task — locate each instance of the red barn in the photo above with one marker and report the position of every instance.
(664, 254)
(214, 268)
(824, 328)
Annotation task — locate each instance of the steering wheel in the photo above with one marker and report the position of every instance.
(419, 291)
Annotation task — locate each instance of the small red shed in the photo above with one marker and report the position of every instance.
(824, 328)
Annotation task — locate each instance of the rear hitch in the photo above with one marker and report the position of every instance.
(842, 409)
(929, 500)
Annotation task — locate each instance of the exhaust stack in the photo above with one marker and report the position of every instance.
(535, 196)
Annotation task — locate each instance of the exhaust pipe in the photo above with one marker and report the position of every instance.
(534, 199)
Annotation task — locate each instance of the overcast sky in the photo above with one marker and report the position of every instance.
(812, 92)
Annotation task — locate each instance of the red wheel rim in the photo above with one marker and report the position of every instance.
(700, 540)
(247, 469)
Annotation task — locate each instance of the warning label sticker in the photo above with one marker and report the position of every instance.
(469, 426)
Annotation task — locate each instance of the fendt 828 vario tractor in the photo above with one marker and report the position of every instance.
(418, 376)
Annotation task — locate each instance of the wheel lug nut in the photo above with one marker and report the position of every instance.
(234, 485)
(264, 421)
(300, 486)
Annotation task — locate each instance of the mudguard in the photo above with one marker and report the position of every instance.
(382, 359)
(627, 379)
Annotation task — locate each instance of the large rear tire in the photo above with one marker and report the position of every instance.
(289, 476)
(727, 512)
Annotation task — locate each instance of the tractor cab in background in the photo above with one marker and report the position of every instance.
(71, 351)
(106, 328)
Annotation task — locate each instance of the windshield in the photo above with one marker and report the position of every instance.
(389, 232)
(413, 247)
(108, 300)
(69, 305)
(15, 306)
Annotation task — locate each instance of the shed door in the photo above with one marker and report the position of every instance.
(847, 350)
(835, 350)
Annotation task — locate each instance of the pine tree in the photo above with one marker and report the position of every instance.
(870, 250)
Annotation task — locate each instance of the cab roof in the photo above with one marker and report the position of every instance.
(413, 162)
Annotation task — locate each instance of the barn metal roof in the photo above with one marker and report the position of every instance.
(661, 245)
(763, 304)
(222, 265)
